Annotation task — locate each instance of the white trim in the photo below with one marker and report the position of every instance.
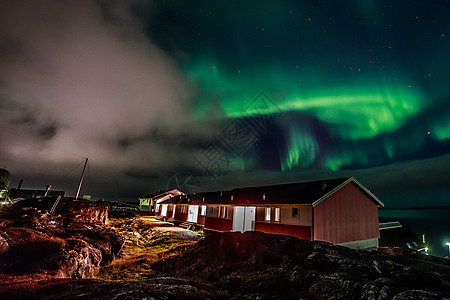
(368, 192)
(367, 244)
(374, 198)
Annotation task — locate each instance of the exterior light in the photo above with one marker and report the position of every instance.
(448, 244)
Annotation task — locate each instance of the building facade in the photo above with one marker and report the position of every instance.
(340, 211)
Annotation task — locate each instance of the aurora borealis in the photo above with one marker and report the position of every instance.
(371, 75)
(145, 88)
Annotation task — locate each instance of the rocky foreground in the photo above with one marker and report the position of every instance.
(69, 253)
(71, 243)
(255, 265)
(74, 253)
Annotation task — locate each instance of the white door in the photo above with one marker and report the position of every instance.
(238, 218)
(173, 212)
(193, 213)
(249, 220)
(244, 218)
(164, 210)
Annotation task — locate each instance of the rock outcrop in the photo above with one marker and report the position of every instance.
(71, 243)
(257, 265)
(158, 288)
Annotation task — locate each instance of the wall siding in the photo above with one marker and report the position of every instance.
(304, 218)
(347, 215)
(218, 224)
(201, 220)
(180, 217)
(303, 232)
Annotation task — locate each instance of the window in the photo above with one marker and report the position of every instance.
(203, 210)
(267, 214)
(223, 212)
(295, 212)
(277, 214)
(157, 207)
(182, 209)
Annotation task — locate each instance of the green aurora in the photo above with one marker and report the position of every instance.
(368, 73)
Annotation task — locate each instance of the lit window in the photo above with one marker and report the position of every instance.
(224, 212)
(268, 214)
(203, 210)
(157, 207)
(277, 214)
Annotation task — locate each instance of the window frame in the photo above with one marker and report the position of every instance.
(203, 209)
(277, 214)
(267, 214)
(297, 214)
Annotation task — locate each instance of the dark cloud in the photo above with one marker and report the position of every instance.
(77, 77)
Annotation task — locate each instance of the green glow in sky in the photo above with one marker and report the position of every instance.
(441, 130)
(302, 149)
(358, 88)
(354, 114)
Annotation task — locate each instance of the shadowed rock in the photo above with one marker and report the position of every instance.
(159, 288)
(258, 265)
(72, 243)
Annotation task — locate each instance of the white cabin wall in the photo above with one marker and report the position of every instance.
(215, 212)
(304, 219)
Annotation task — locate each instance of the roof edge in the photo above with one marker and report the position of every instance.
(371, 195)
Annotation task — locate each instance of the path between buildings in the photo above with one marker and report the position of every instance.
(162, 226)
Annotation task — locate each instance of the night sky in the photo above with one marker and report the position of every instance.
(210, 95)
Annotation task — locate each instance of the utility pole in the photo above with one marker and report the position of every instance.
(81, 179)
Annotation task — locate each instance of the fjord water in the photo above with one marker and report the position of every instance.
(433, 222)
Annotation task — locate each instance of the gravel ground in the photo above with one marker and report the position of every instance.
(184, 234)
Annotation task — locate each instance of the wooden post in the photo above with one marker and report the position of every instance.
(81, 179)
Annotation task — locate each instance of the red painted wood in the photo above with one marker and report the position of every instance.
(347, 215)
(224, 225)
(180, 217)
(201, 220)
(303, 232)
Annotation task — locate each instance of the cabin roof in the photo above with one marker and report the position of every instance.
(162, 193)
(311, 192)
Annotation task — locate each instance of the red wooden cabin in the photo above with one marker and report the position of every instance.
(339, 211)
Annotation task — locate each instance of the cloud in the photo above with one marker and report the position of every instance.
(81, 79)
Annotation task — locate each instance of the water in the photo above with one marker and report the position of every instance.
(433, 222)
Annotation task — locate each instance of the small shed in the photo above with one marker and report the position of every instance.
(150, 202)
